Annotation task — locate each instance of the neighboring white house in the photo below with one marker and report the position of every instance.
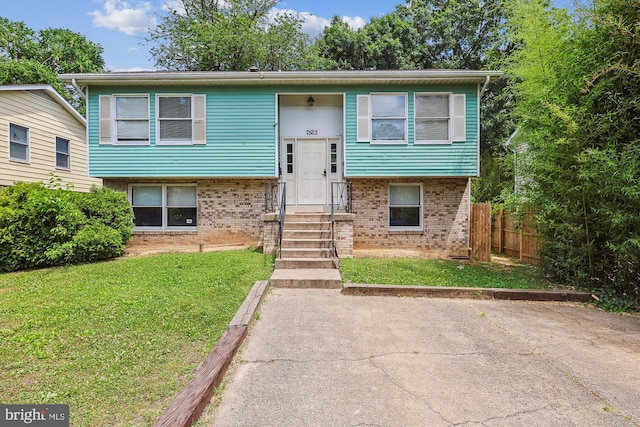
(40, 134)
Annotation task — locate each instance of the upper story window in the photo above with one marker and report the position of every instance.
(132, 119)
(439, 118)
(175, 120)
(125, 119)
(382, 118)
(18, 143)
(63, 153)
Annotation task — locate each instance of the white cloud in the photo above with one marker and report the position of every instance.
(355, 23)
(314, 25)
(119, 15)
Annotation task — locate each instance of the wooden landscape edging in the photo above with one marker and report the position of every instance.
(187, 406)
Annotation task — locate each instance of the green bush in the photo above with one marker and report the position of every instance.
(42, 227)
(97, 241)
(108, 207)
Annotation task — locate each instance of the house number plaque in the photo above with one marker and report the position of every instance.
(312, 131)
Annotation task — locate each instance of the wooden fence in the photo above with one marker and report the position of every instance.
(504, 233)
(481, 232)
(516, 237)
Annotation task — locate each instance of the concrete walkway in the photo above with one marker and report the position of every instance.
(317, 357)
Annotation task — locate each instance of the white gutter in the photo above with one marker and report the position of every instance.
(283, 77)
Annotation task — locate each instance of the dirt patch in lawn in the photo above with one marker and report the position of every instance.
(142, 249)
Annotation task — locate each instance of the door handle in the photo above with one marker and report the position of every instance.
(324, 172)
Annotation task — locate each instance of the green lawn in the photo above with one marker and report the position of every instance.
(117, 340)
(433, 272)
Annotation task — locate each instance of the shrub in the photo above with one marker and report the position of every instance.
(108, 207)
(42, 227)
(97, 241)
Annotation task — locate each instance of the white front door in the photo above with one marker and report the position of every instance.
(312, 173)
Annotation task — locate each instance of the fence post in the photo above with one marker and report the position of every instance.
(520, 240)
(500, 231)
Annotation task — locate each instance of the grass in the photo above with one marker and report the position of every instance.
(117, 340)
(434, 272)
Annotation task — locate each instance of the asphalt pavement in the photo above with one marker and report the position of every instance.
(317, 357)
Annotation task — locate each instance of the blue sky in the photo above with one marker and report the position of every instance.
(120, 26)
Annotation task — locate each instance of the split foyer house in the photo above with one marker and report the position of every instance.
(210, 156)
(42, 133)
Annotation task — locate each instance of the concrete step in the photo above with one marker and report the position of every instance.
(288, 253)
(293, 263)
(323, 278)
(307, 225)
(306, 234)
(306, 243)
(310, 217)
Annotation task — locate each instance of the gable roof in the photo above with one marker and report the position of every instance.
(49, 92)
(271, 78)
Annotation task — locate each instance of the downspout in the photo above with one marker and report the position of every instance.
(480, 93)
(484, 87)
(80, 91)
(469, 249)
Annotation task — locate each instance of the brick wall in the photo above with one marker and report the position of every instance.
(229, 211)
(445, 216)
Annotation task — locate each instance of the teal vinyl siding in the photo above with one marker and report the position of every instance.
(364, 159)
(241, 139)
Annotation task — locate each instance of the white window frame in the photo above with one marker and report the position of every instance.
(27, 144)
(191, 119)
(115, 119)
(419, 227)
(67, 154)
(456, 126)
(366, 118)
(165, 206)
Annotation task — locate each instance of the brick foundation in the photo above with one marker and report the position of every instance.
(445, 216)
(228, 212)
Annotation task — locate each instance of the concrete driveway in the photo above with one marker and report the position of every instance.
(319, 358)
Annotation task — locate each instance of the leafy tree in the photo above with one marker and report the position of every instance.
(232, 35)
(391, 42)
(65, 51)
(577, 83)
(30, 57)
(448, 34)
(456, 34)
(343, 47)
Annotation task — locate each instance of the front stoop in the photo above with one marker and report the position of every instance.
(305, 260)
(323, 278)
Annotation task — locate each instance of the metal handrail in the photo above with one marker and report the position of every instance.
(282, 189)
(275, 200)
(343, 191)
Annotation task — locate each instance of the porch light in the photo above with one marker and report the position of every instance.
(311, 101)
